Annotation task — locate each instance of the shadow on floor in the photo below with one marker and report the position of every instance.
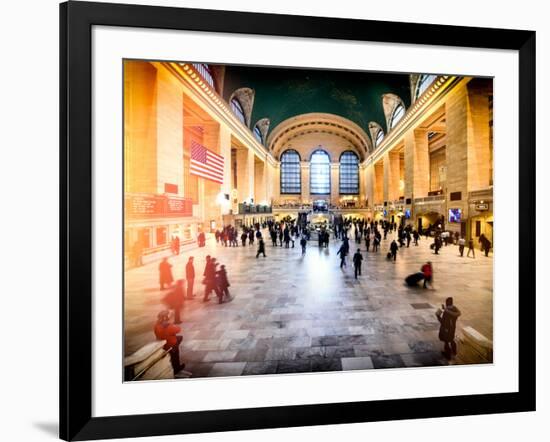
(50, 428)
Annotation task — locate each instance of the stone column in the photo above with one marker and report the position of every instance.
(225, 152)
(457, 147)
(417, 164)
(479, 154)
(245, 174)
(169, 131)
(260, 177)
(334, 183)
(378, 182)
(304, 178)
(391, 176)
(276, 180)
(369, 184)
(362, 183)
(140, 127)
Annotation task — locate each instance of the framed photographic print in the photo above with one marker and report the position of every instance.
(290, 220)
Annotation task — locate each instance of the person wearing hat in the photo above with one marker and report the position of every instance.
(169, 332)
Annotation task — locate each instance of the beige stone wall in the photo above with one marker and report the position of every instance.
(245, 174)
(306, 197)
(334, 145)
(169, 131)
(479, 146)
(140, 127)
(378, 182)
(392, 176)
(417, 164)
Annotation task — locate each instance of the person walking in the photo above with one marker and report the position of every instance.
(393, 249)
(471, 248)
(165, 273)
(461, 243)
(427, 271)
(261, 248)
(447, 317)
(210, 280)
(437, 244)
(303, 243)
(375, 243)
(342, 251)
(367, 240)
(485, 244)
(357, 261)
(175, 299)
(190, 276)
(416, 236)
(223, 284)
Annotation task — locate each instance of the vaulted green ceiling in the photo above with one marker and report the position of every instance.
(282, 93)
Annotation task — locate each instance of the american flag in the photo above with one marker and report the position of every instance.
(205, 163)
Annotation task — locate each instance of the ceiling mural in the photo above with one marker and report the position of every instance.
(282, 93)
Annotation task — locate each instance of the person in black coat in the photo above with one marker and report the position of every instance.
(447, 317)
(261, 248)
(210, 279)
(303, 243)
(357, 261)
(393, 249)
(223, 284)
(342, 251)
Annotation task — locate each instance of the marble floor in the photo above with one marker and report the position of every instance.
(294, 313)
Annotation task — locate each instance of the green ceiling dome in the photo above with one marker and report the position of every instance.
(281, 93)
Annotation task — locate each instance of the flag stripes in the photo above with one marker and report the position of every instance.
(205, 163)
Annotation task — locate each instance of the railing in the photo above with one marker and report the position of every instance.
(252, 208)
(482, 193)
(430, 199)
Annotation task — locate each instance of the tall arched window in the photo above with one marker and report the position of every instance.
(379, 137)
(237, 109)
(258, 134)
(319, 173)
(206, 73)
(290, 173)
(349, 173)
(423, 82)
(397, 114)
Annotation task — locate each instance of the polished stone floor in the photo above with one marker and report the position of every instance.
(295, 314)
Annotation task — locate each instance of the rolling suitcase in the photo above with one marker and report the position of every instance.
(414, 279)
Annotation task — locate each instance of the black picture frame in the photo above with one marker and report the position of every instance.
(76, 21)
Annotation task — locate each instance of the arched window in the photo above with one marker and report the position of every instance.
(423, 82)
(290, 173)
(319, 173)
(206, 73)
(349, 173)
(397, 114)
(379, 138)
(238, 110)
(258, 134)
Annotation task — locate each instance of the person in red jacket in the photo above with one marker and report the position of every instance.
(428, 272)
(169, 332)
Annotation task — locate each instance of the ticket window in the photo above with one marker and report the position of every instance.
(144, 238)
(161, 235)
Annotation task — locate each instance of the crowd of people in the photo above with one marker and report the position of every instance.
(284, 234)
